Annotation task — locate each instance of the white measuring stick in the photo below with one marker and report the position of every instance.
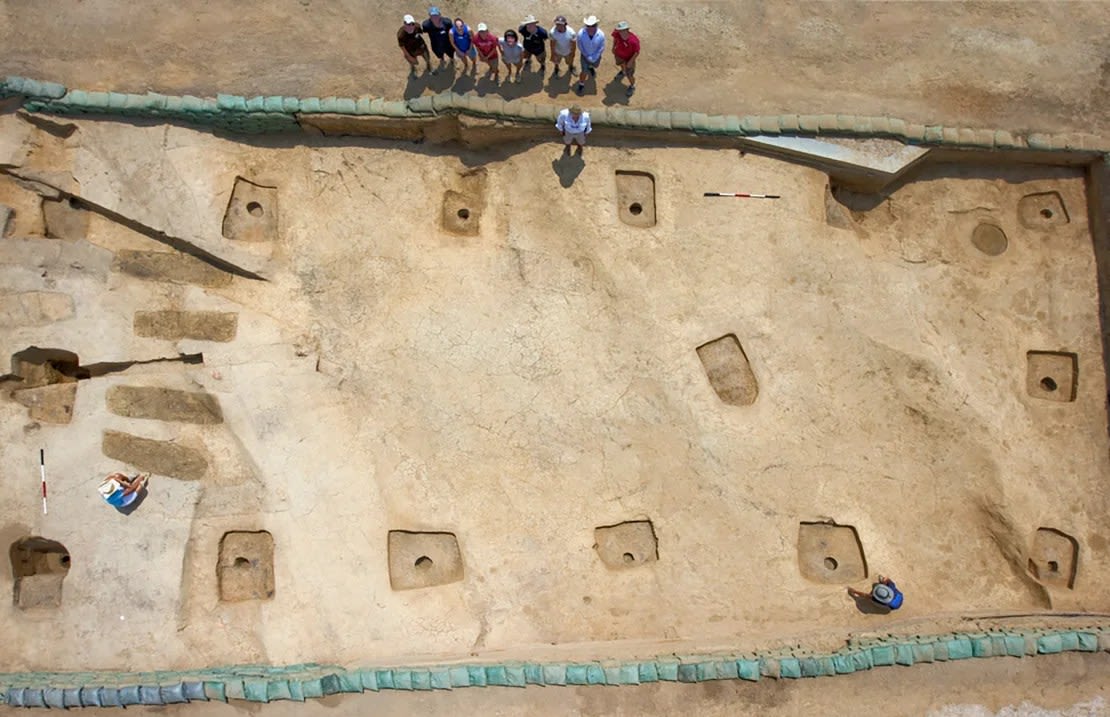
(743, 196)
(42, 473)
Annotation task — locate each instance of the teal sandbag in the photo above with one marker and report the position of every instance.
(1015, 645)
(648, 672)
(1069, 641)
(51, 90)
(173, 694)
(421, 680)
(629, 674)
(882, 655)
(981, 646)
(959, 648)
(345, 105)
(90, 697)
(477, 675)
(349, 682)
(687, 672)
(810, 667)
(368, 679)
(923, 652)
(402, 680)
(843, 664)
(310, 105)
(278, 690)
(71, 697)
(231, 103)
(728, 670)
(903, 655)
(998, 645)
(576, 674)
(533, 674)
(595, 675)
(1049, 644)
(1087, 641)
(255, 690)
(273, 104)
(748, 670)
(14, 697)
(14, 84)
(312, 688)
(495, 675)
(98, 100)
(790, 668)
(706, 671)
(296, 691)
(555, 674)
(440, 679)
(215, 691)
(256, 104)
(34, 697)
(129, 695)
(861, 660)
(290, 104)
(459, 676)
(667, 671)
(329, 684)
(514, 676)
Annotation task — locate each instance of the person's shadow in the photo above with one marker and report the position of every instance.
(561, 85)
(415, 85)
(615, 93)
(567, 167)
(134, 505)
(867, 606)
(465, 83)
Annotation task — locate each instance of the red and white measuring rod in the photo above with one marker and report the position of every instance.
(42, 474)
(743, 196)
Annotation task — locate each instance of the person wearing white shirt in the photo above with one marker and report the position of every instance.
(591, 43)
(574, 124)
(564, 44)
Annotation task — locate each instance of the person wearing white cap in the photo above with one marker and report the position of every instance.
(533, 38)
(626, 48)
(591, 43)
(119, 491)
(438, 31)
(564, 44)
(884, 593)
(411, 41)
(574, 124)
(487, 45)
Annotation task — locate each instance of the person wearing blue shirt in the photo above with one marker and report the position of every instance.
(591, 43)
(120, 491)
(884, 593)
(464, 48)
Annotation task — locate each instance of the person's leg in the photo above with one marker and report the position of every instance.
(566, 144)
(527, 56)
(620, 67)
(582, 77)
(542, 57)
(630, 73)
(428, 61)
(518, 64)
(413, 62)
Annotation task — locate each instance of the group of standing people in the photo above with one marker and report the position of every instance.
(453, 40)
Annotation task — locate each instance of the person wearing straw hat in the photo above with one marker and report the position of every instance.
(574, 124)
(533, 37)
(564, 45)
(120, 491)
(411, 41)
(884, 593)
(626, 48)
(488, 50)
(591, 43)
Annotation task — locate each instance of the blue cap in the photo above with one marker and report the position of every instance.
(433, 10)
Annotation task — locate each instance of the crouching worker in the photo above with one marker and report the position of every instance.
(884, 593)
(121, 492)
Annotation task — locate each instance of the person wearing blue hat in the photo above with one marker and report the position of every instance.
(438, 31)
(884, 593)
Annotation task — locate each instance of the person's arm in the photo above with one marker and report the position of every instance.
(573, 48)
(587, 124)
(561, 123)
(551, 47)
(451, 39)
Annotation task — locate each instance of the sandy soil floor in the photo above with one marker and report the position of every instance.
(1014, 66)
(525, 375)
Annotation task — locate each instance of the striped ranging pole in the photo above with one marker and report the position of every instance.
(743, 196)
(42, 474)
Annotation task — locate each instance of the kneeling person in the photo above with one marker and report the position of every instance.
(574, 124)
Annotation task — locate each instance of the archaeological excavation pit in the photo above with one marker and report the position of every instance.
(1043, 210)
(423, 560)
(164, 404)
(1052, 375)
(252, 212)
(729, 373)
(1054, 558)
(245, 570)
(626, 545)
(47, 383)
(830, 554)
(39, 566)
(461, 212)
(636, 198)
(173, 325)
(167, 458)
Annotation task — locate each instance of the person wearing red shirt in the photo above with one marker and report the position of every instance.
(487, 44)
(626, 48)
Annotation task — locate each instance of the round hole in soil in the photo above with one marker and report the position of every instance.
(989, 239)
(1053, 566)
(635, 209)
(423, 562)
(463, 213)
(254, 209)
(242, 562)
(1046, 213)
(831, 564)
(628, 557)
(65, 560)
(1048, 384)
